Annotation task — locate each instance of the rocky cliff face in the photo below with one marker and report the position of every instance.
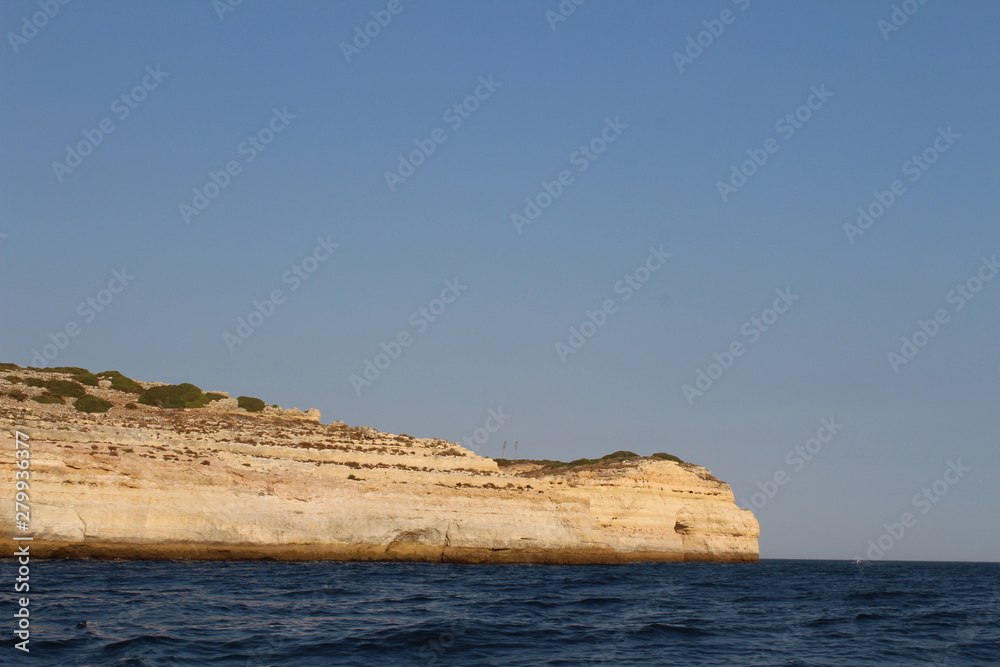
(220, 483)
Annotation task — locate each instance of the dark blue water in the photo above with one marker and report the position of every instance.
(773, 613)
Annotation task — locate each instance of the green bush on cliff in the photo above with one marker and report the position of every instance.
(58, 387)
(88, 379)
(614, 457)
(620, 455)
(250, 404)
(72, 370)
(65, 388)
(91, 404)
(9, 367)
(13, 379)
(121, 383)
(17, 395)
(184, 395)
(47, 398)
(81, 375)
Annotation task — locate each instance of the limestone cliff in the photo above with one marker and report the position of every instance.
(218, 482)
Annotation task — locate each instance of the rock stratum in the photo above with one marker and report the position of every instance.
(218, 482)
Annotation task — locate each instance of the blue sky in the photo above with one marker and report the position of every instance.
(328, 130)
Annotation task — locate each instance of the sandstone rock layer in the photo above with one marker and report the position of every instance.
(221, 484)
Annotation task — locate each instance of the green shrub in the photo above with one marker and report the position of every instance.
(9, 367)
(81, 375)
(57, 387)
(126, 384)
(131, 406)
(47, 398)
(665, 457)
(17, 395)
(13, 379)
(184, 395)
(72, 370)
(614, 457)
(555, 466)
(250, 404)
(65, 388)
(91, 404)
(215, 396)
(122, 383)
(620, 455)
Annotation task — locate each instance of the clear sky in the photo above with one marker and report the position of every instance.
(693, 167)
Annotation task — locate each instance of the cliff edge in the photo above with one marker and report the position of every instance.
(232, 479)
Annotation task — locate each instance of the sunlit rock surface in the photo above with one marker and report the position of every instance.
(213, 483)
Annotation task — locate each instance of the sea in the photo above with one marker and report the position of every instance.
(776, 612)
